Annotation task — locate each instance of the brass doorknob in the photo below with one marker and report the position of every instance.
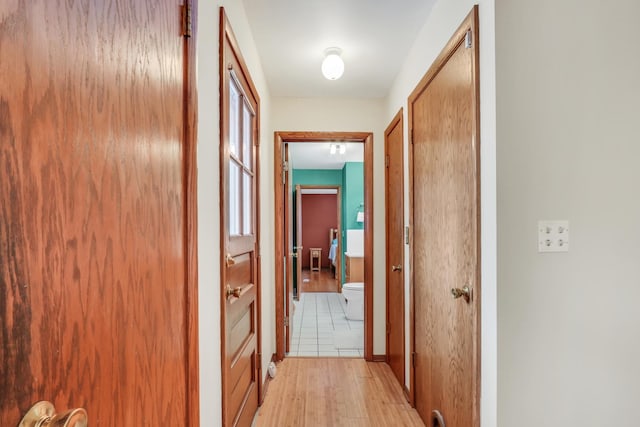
(464, 292)
(396, 267)
(230, 260)
(43, 414)
(236, 292)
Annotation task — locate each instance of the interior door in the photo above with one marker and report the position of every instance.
(445, 162)
(290, 251)
(394, 206)
(299, 247)
(239, 230)
(93, 237)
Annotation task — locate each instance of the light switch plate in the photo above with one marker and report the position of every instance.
(553, 236)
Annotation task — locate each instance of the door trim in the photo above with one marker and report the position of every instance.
(396, 121)
(191, 220)
(280, 138)
(470, 23)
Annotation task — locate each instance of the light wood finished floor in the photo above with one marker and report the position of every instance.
(334, 393)
(318, 281)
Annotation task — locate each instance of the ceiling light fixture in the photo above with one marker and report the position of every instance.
(333, 148)
(332, 65)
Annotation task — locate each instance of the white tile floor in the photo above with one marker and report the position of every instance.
(317, 316)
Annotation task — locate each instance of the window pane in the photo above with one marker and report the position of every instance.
(234, 118)
(234, 198)
(247, 226)
(247, 137)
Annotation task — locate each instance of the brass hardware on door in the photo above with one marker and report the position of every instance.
(464, 292)
(396, 267)
(437, 419)
(236, 292)
(230, 260)
(294, 255)
(43, 414)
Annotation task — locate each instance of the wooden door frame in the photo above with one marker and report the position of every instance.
(396, 121)
(226, 33)
(338, 188)
(191, 219)
(366, 138)
(470, 22)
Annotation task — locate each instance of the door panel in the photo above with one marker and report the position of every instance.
(239, 285)
(299, 248)
(291, 255)
(394, 205)
(444, 119)
(93, 288)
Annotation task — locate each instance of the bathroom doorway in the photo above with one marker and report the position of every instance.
(324, 323)
(316, 229)
(324, 316)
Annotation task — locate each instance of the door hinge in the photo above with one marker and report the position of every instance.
(411, 136)
(386, 160)
(468, 40)
(406, 235)
(286, 320)
(413, 359)
(186, 19)
(285, 169)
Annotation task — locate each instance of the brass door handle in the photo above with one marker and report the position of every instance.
(396, 267)
(43, 414)
(236, 292)
(464, 292)
(230, 261)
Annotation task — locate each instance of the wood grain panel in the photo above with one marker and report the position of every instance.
(191, 217)
(240, 332)
(394, 220)
(445, 244)
(92, 232)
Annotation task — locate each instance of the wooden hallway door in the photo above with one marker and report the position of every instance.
(394, 230)
(95, 232)
(240, 235)
(444, 125)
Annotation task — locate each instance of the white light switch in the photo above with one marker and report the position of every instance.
(553, 236)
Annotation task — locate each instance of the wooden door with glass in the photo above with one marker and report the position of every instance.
(240, 263)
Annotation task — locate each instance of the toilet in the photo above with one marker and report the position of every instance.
(354, 294)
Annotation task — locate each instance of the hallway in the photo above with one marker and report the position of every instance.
(325, 392)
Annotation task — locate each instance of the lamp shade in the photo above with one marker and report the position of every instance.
(332, 66)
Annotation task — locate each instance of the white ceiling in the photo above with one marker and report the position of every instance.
(316, 155)
(374, 35)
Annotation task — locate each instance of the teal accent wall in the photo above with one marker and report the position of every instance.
(352, 201)
(353, 194)
(317, 177)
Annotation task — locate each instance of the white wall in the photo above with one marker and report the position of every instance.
(209, 199)
(568, 148)
(445, 18)
(348, 115)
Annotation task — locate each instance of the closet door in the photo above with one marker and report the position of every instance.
(93, 239)
(444, 117)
